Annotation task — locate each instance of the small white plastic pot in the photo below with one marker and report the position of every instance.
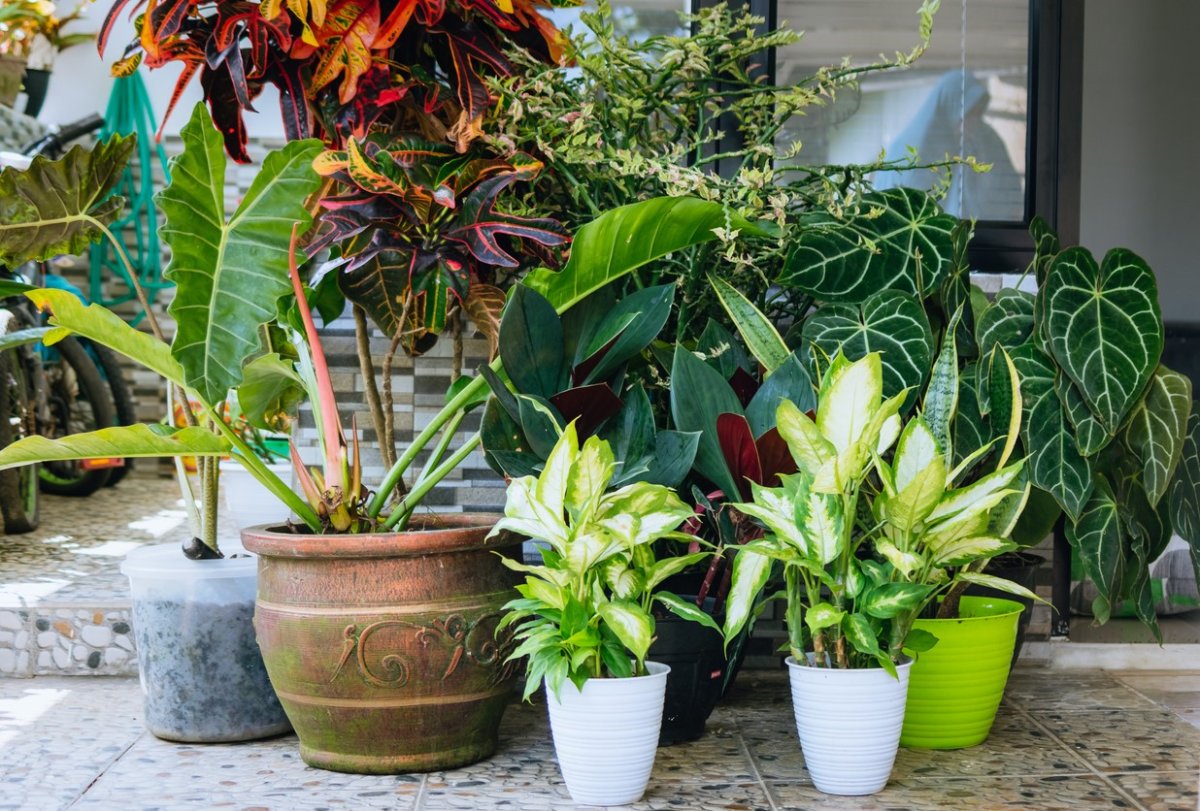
(849, 724)
(247, 499)
(606, 735)
(202, 674)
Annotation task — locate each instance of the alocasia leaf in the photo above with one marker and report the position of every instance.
(1104, 327)
(270, 393)
(889, 322)
(1008, 321)
(1091, 436)
(120, 441)
(899, 240)
(1097, 537)
(229, 275)
(1158, 428)
(57, 207)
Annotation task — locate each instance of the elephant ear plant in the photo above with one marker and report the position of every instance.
(864, 542)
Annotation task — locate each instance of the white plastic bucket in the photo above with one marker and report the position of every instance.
(606, 735)
(249, 502)
(202, 674)
(849, 724)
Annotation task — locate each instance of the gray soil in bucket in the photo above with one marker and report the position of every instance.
(202, 674)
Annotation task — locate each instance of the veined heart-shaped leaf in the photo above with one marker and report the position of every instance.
(1185, 487)
(626, 238)
(55, 207)
(1055, 464)
(899, 240)
(1097, 537)
(1104, 327)
(1008, 321)
(120, 441)
(1158, 429)
(891, 323)
(1091, 436)
(229, 275)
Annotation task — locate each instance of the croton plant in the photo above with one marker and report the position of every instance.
(397, 91)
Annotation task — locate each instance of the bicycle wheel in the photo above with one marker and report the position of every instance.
(126, 409)
(77, 401)
(18, 486)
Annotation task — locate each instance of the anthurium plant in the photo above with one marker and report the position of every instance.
(868, 534)
(586, 611)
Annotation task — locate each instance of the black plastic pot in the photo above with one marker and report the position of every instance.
(1021, 568)
(37, 82)
(696, 656)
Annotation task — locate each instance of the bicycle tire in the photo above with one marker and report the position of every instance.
(78, 402)
(122, 397)
(19, 501)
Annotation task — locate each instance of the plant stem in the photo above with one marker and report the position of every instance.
(439, 450)
(362, 345)
(209, 480)
(398, 520)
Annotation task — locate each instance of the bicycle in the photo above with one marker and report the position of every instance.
(52, 391)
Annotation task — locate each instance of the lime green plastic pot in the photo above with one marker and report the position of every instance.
(955, 688)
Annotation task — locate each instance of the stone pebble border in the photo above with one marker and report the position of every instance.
(48, 640)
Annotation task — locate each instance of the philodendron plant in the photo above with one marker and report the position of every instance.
(866, 543)
(585, 613)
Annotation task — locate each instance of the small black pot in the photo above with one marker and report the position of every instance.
(1021, 568)
(696, 655)
(37, 82)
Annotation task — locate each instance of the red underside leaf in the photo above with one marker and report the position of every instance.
(739, 450)
(775, 458)
(591, 405)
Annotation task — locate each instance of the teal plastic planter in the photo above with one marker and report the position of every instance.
(955, 688)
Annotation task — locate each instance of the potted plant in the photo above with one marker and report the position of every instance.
(584, 616)
(864, 545)
(265, 427)
(31, 34)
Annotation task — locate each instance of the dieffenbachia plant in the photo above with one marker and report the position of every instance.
(586, 611)
(866, 538)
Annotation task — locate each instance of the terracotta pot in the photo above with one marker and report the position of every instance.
(382, 648)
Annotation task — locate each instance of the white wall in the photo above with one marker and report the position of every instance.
(81, 84)
(1141, 116)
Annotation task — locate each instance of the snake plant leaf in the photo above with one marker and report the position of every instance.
(1185, 487)
(58, 207)
(1097, 538)
(972, 430)
(108, 329)
(1055, 464)
(1158, 428)
(1091, 436)
(120, 441)
(889, 322)
(1104, 328)
(941, 395)
(624, 239)
(229, 275)
(1008, 321)
(898, 240)
(760, 335)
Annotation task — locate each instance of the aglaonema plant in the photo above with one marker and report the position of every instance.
(867, 536)
(586, 611)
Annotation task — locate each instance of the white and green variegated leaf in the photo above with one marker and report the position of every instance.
(686, 610)
(941, 395)
(1007, 321)
(1104, 327)
(919, 477)
(822, 616)
(624, 582)
(899, 239)
(631, 624)
(1185, 486)
(1091, 436)
(904, 562)
(850, 395)
(776, 508)
(667, 567)
(891, 323)
(762, 339)
(535, 588)
(589, 476)
(1055, 463)
(968, 524)
(968, 550)
(862, 637)
(1003, 517)
(556, 475)
(750, 573)
(893, 599)
(229, 275)
(804, 439)
(1098, 538)
(120, 441)
(526, 515)
(823, 524)
(998, 583)
(642, 512)
(979, 496)
(1158, 428)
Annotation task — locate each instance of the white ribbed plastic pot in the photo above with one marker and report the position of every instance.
(248, 500)
(849, 724)
(606, 735)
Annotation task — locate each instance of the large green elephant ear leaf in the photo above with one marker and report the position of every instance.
(888, 322)
(229, 275)
(1158, 428)
(899, 239)
(1055, 463)
(624, 239)
(57, 207)
(119, 441)
(1104, 328)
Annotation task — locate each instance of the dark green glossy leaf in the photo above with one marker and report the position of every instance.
(698, 396)
(1185, 486)
(1158, 428)
(1091, 437)
(1097, 537)
(531, 343)
(718, 345)
(790, 381)
(674, 455)
(630, 327)
(270, 393)
(1008, 321)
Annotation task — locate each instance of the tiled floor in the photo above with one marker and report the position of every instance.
(1062, 741)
